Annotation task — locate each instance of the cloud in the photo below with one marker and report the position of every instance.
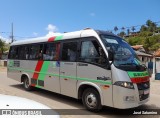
(92, 14)
(35, 34)
(52, 30)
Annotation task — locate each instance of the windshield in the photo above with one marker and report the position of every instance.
(124, 56)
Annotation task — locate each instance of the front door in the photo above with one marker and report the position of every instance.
(92, 67)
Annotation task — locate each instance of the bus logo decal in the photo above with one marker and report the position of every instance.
(103, 78)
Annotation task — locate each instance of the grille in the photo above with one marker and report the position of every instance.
(143, 97)
(141, 87)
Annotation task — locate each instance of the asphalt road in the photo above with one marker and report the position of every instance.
(56, 101)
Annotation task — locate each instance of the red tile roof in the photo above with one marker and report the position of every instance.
(157, 53)
(137, 47)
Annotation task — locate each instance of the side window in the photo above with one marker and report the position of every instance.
(92, 52)
(14, 52)
(24, 52)
(51, 51)
(69, 51)
(36, 52)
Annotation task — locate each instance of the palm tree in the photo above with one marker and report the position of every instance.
(133, 28)
(123, 29)
(115, 29)
(148, 23)
(128, 31)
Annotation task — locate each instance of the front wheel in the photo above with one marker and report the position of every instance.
(26, 84)
(91, 100)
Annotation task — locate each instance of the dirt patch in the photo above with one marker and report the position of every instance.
(3, 69)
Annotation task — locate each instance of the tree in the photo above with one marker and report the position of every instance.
(151, 26)
(2, 45)
(146, 44)
(133, 28)
(143, 28)
(148, 23)
(122, 34)
(158, 30)
(128, 31)
(123, 28)
(115, 29)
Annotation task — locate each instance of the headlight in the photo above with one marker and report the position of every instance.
(124, 84)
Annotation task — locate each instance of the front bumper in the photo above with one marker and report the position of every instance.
(124, 98)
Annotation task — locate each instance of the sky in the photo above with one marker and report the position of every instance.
(36, 18)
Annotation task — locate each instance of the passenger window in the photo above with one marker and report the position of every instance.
(24, 52)
(36, 52)
(51, 51)
(69, 51)
(92, 52)
(14, 52)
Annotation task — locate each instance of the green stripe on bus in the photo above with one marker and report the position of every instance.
(38, 86)
(44, 69)
(58, 38)
(93, 80)
(63, 76)
(137, 74)
(43, 72)
(85, 79)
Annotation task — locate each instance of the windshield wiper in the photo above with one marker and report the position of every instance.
(129, 64)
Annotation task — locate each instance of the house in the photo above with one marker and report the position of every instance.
(144, 57)
(157, 53)
(156, 65)
(132, 34)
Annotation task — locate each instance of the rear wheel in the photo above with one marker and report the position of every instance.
(26, 84)
(91, 100)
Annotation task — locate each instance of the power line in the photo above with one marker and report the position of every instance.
(5, 32)
(24, 37)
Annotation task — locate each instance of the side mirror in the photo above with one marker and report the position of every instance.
(110, 55)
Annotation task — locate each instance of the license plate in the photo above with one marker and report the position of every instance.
(146, 91)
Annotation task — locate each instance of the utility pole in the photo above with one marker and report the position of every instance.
(12, 37)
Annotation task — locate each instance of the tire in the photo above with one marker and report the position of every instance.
(91, 100)
(26, 84)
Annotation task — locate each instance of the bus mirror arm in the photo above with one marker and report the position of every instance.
(110, 59)
(110, 55)
(109, 66)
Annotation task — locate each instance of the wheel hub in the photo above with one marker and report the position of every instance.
(26, 83)
(91, 100)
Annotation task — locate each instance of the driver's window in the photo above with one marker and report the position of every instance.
(92, 52)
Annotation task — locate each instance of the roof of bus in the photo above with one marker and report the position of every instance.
(63, 36)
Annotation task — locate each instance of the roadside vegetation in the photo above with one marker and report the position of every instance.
(148, 35)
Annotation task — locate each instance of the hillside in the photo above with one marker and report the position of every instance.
(148, 35)
(149, 40)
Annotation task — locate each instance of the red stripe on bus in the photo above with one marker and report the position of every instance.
(51, 39)
(57, 51)
(37, 70)
(140, 79)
